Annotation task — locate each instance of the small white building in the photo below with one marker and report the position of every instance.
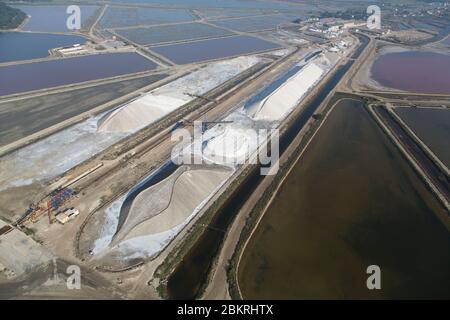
(353, 24)
(67, 215)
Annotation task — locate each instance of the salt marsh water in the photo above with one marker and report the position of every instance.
(213, 49)
(177, 32)
(413, 71)
(47, 74)
(241, 4)
(27, 116)
(433, 128)
(251, 24)
(125, 17)
(350, 202)
(24, 46)
(53, 18)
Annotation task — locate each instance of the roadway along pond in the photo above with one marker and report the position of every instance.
(190, 275)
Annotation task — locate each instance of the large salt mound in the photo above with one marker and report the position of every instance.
(186, 194)
(140, 113)
(160, 102)
(149, 203)
(233, 146)
(286, 97)
(207, 78)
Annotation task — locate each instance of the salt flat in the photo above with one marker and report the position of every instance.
(19, 254)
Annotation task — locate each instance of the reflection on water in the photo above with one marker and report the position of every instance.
(47, 74)
(52, 18)
(241, 4)
(351, 201)
(213, 49)
(414, 71)
(433, 128)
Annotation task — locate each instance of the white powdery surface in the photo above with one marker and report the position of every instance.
(162, 101)
(147, 246)
(109, 226)
(280, 53)
(227, 144)
(54, 155)
(208, 77)
(150, 245)
(232, 146)
(277, 105)
(137, 114)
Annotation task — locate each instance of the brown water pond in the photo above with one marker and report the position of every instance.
(432, 126)
(350, 202)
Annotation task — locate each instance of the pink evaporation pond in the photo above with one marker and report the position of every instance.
(414, 71)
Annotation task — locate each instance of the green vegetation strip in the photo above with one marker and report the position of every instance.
(10, 18)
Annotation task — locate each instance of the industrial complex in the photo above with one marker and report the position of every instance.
(162, 148)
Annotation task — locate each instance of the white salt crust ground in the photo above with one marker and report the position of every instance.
(159, 213)
(162, 101)
(46, 159)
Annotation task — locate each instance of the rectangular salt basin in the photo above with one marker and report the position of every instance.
(53, 18)
(237, 4)
(118, 17)
(214, 49)
(48, 74)
(25, 46)
(251, 24)
(169, 33)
